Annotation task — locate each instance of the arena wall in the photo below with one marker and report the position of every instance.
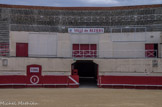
(17, 66)
(57, 66)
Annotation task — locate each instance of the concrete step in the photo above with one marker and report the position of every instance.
(3, 25)
(4, 32)
(4, 28)
(3, 22)
(4, 41)
(4, 37)
(157, 28)
(1, 34)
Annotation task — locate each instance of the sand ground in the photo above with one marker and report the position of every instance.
(80, 97)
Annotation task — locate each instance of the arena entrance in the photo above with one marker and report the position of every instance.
(87, 71)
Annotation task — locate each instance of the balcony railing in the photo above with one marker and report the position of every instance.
(94, 54)
(4, 49)
(85, 53)
(115, 54)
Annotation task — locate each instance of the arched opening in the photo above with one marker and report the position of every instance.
(87, 71)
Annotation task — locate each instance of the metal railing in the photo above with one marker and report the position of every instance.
(94, 54)
(114, 54)
(128, 29)
(4, 49)
(85, 53)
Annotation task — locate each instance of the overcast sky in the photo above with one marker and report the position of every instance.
(81, 3)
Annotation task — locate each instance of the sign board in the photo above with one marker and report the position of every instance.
(34, 69)
(85, 30)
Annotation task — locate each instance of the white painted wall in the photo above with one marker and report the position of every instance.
(160, 50)
(129, 37)
(148, 37)
(42, 44)
(132, 44)
(153, 37)
(50, 66)
(85, 38)
(129, 66)
(64, 46)
(129, 49)
(59, 66)
(105, 46)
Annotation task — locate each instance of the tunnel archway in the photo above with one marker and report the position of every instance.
(87, 71)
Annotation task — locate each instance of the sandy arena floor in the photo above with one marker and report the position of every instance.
(80, 97)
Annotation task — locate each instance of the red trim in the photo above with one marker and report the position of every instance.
(81, 8)
(35, 79)
(13, 79)
(139, 82)
(130, 81)
(55, 80)
(73, 83)
(46, 81)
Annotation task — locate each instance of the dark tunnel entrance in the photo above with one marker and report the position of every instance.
(87, 71)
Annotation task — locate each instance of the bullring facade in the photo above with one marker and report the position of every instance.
(63, 46)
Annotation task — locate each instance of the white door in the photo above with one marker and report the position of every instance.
(42, 44)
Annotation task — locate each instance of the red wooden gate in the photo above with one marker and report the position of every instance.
(22, 49)
(34, 74)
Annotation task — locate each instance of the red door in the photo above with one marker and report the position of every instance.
(149, 48)
(21, 49)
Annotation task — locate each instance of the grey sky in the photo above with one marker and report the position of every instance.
(80, 3)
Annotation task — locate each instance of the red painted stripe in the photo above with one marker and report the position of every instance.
(134, 80)
(44, 81)
(13, 79)
(55, 79)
